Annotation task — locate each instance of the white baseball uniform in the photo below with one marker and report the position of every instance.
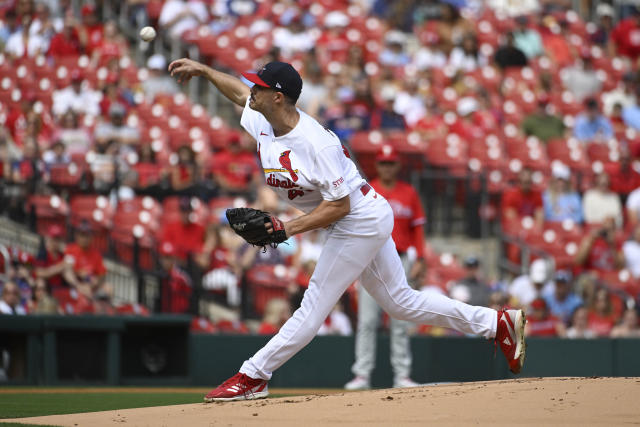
(304, 167)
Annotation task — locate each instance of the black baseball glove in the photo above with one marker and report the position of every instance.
(250, 225)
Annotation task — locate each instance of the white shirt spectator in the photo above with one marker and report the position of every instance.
(86, 102)
(459, 60)
(631, 251)
(16, 47)
(514, 8)
(598, 206)
(410, 106)
(6, 309)
(290, 43)
(180, 16)
(617, 96)
(426, 58)
(337, 323)
(523, 289)
(633, 202)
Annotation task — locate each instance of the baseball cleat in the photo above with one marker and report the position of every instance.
(404, 382)
(510, 336)
(238, 387)
(358, 383)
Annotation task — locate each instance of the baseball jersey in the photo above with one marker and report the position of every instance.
(305, 166)
(408, 216)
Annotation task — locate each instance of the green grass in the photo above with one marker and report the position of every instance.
(24, 425)
(18, 405)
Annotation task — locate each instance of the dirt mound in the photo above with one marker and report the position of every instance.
(535, 401)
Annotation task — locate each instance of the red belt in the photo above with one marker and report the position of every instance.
(365, 189)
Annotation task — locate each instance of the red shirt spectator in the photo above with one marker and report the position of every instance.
(186, 236)
(85, 261)
(624, 178)
(601, 324)
(92, 28)
(65, 43)
(235, 168)
(522, 200)
(542, 324)
(626, 37)
(176, 284)
(408, 215)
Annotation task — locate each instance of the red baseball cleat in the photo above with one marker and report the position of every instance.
(238, 387)
(510, 336)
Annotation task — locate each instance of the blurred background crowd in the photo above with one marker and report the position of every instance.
(106, 157)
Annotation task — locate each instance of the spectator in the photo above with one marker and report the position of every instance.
(50, 261)
(111, 47)
(314, 90)
(293, 38)
(178, 16)
(530, 286)
(623, 94)
(592, 126)
(21, 44)
(220, 267)
(78, 99)
(580, 325)
(394, 54)
(560, 201)
(581, 79)
(527, 39)
(540, 323)
(472, 289)
(467, 57)
(151, 175)
(452, 27)
(624, 177)
(276, 312)
(87, 272)
(41, 302)
(514, 8)
(605, 25)
(522, 200)
(599, 249)
(92, 30)
(21, 273)
(16, 121)
(186, 235)
(56, 155)
(430, 57)
(628, 327)
(384, 117)
(67, 42)
(542, 123)
(555, 38)
(601, 317)
(175, 284)
(8, 26)
(632, 207)
(76, 139)
(600, 203)
(561, 299)
(631, 251)
(337, 323)
(235, 169)
(185, 174)
(624, 40)
(116, 130)
(631, 116)
(10, 302)
(158, 80)
(410, 103)
(508, 55)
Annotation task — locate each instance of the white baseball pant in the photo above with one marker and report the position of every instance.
(360, 245)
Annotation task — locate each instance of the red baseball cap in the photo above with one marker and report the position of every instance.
(55, 231)
(539, 304)
(167, 249)
(387, 153)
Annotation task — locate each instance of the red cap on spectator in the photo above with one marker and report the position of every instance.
(539, 304)
(55, 231)
(76, 75)
(387, 153)
(167, 249)
(25, 258)
(88, 9)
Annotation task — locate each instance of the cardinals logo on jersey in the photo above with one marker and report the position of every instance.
(285, 161)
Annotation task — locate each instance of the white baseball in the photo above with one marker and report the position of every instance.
(147, 34)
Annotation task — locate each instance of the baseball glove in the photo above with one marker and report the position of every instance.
(250, 225)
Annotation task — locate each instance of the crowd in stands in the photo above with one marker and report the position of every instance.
(107, 158)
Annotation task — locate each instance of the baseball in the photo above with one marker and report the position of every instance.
(147, 34)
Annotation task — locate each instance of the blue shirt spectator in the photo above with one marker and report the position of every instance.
(560, 207)
(631, 116)
(588, 130)
(526, 39)
(561, 300)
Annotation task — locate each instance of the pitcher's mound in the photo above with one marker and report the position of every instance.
(535, 401)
